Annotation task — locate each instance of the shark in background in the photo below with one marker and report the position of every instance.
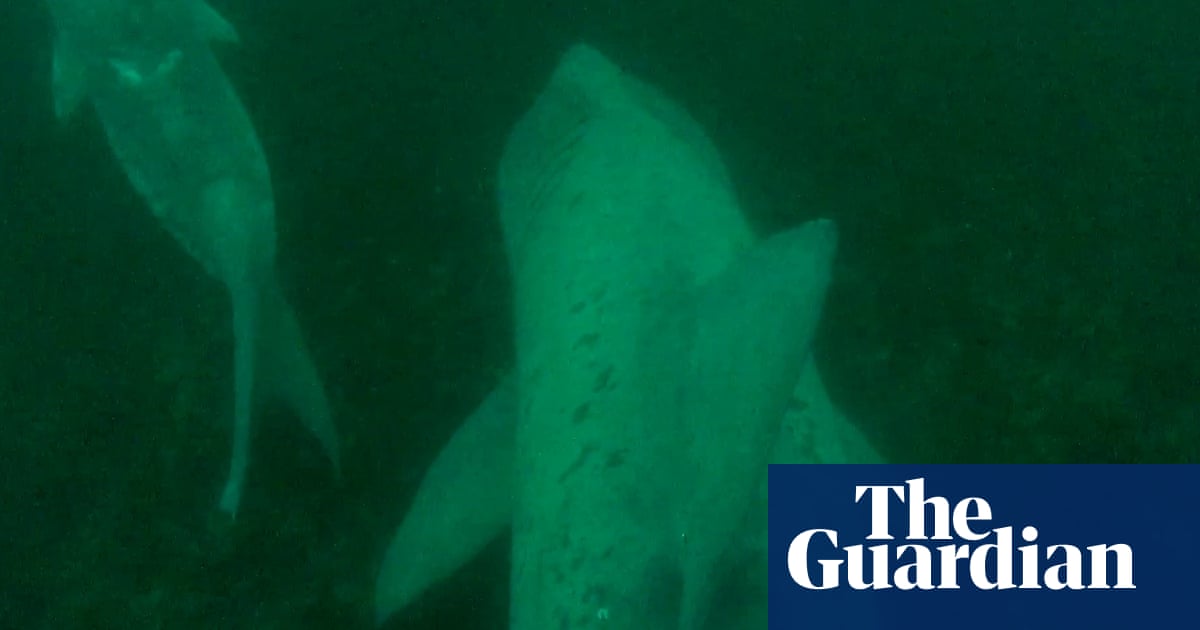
(186, 143)
(663, 360)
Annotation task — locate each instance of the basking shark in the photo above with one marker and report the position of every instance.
(662, 360)
(657, 346)
(188, 147)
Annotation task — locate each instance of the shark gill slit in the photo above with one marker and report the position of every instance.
(580, 460)
(550, 168)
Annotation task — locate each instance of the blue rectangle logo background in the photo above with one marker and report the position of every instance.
(1153, 509)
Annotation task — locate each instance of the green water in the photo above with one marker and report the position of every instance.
(1015, 188)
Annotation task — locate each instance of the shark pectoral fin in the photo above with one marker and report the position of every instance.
(287, 371)
(816, 431)
(212, 25)
(753, 331)
(464, 502)
(69, 79)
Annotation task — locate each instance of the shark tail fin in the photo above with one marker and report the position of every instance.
(245, 333)
(754, 328)
(289, 374)
(272, 360)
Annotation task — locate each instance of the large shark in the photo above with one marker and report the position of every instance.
(187, 145)
(657, 348)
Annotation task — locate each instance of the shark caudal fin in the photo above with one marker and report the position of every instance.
(754, 329)
(464, 502)
(272, 361)
(289, 375)
(246, 307)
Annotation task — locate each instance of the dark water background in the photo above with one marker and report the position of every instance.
(1015, 184)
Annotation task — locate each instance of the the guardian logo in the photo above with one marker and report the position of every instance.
(987, 557)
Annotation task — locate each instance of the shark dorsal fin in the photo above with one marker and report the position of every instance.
(754, 326)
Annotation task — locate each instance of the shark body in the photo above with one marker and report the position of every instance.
(182, 136)
(658, 346)
(658, 342)
(663, 361)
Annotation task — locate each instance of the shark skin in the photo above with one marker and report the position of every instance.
(658, 344)
(464, 501)
(179, 130)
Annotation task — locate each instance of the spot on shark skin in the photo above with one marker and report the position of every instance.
(580, 460)
(587, 341)
(604, 380)
(616, 458)
(581, 413)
